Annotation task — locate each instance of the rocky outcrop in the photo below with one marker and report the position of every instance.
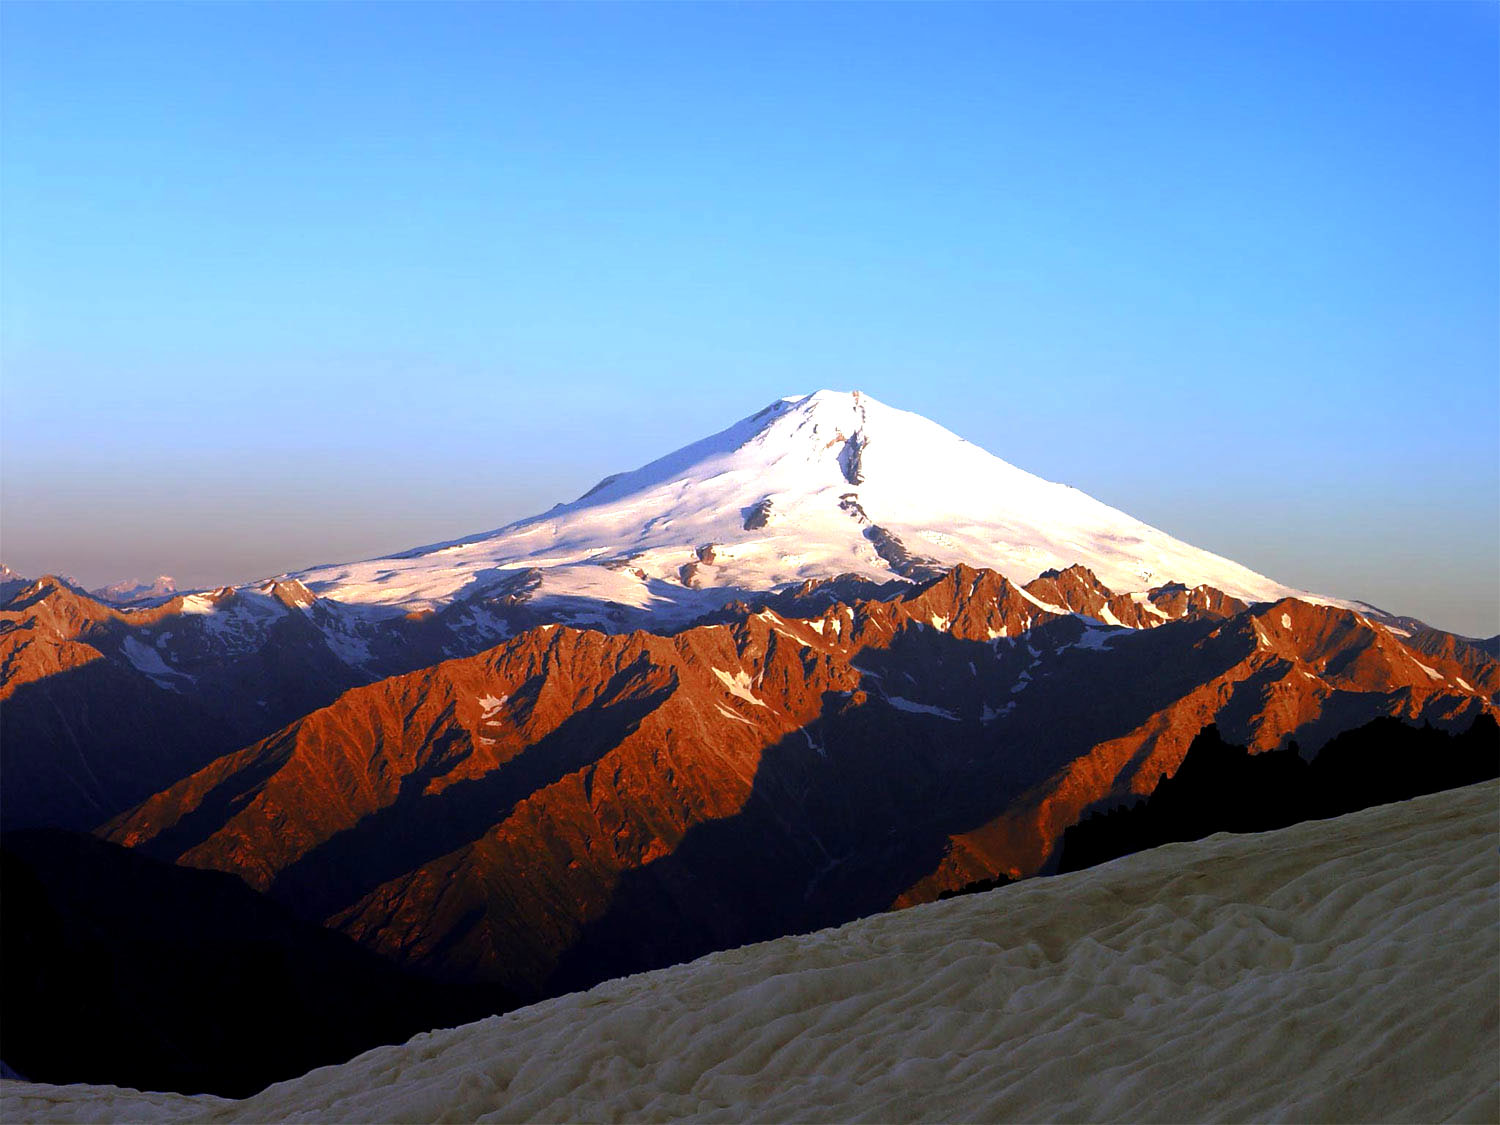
(1175, 600)
(759, 514)
(894, 554)
(851, 459)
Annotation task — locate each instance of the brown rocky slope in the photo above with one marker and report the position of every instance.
(572, 805)
(104, 705)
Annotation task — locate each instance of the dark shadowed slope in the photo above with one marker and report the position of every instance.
(1224, 788)
(117, 968)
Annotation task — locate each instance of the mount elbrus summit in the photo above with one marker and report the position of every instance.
(808, 488)
(829, 661)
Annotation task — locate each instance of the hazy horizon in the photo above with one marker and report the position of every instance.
(295, 284)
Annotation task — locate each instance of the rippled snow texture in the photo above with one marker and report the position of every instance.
(1336, 970)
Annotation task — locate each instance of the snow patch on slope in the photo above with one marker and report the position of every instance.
(1334, 970)
(147, 660)
(739, 685)
(915, 708)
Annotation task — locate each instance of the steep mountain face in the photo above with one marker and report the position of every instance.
(105, 704)
(1223, 788)
(10, 583)
(808, 488)
(574, 804)
(1297, 672)
(46, 640)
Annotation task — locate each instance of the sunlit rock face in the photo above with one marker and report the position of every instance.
(572, 805)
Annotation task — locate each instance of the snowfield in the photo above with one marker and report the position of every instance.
(810, 487)
(1332, 971)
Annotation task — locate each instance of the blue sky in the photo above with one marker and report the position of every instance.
(289, 284)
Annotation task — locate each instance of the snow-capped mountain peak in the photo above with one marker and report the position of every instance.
(810, 486)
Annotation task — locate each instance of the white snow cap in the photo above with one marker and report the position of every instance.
(793, 492)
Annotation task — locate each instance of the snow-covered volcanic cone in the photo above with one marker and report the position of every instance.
(810, 487)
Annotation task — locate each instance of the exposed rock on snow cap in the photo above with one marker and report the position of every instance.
(808, 487)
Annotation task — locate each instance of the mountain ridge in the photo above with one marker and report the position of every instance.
(535, 814)
(823, 496)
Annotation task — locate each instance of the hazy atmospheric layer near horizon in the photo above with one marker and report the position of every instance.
(290, 284)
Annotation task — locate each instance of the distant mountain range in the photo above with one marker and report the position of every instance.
(831, 660)
(130, 590)
(571, 804)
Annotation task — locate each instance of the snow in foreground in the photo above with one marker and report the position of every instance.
(1335, 970)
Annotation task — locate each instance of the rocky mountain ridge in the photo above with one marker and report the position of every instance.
(574, 804)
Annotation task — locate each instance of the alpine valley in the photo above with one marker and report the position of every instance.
(831, 661)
